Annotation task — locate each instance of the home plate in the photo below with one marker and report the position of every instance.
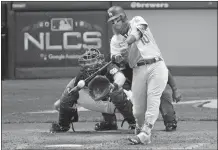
(63, 146)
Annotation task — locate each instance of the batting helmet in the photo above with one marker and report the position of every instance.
(115, 12)
(92, 59)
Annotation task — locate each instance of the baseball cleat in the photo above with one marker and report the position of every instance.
(135, 140)
(171, 126)
(102, 126)
(56, 128)
(141, 138)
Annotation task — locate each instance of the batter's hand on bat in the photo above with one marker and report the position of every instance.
(117, 58)
(176, 96)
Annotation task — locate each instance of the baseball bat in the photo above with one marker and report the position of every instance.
(77, 88)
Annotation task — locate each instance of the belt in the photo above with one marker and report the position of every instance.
(148, 61)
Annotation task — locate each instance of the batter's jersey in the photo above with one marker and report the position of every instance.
(132, 55)
(115, 47)
(145, 44)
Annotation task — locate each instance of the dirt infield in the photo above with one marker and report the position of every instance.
(190, 134)
(197, 126)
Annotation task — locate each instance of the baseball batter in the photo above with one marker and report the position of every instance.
(150, 73)
(166, 107)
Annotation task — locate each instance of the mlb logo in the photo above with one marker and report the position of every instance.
(110, 14)
(61, 24)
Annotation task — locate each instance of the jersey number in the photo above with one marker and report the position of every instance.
(145, 40)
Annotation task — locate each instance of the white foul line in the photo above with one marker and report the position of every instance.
(194, 101)
(212, 104)
(53, 111)
(64, 146)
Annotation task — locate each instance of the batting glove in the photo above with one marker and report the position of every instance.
(117, 58)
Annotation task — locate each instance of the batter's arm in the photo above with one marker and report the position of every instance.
(136, 34)
(127, 42)
(138, 27)
(130, 39)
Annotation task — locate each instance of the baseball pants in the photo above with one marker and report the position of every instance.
(149, 82)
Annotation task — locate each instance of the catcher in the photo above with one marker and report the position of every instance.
(109, 97)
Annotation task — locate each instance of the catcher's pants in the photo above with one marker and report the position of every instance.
(100, 106)
(149, 81)
(87, 102)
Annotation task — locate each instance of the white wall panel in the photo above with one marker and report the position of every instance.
(185, 37)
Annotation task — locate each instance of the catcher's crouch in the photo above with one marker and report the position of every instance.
(116, 100)
(91, 61)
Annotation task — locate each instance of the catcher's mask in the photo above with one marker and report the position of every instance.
(91, 60)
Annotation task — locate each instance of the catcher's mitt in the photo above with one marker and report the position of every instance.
(99, 87)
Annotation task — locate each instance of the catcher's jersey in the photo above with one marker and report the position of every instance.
(109, 72)
(145, 44)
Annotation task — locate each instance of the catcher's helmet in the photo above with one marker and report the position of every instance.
(92, 59)
(115, 12)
